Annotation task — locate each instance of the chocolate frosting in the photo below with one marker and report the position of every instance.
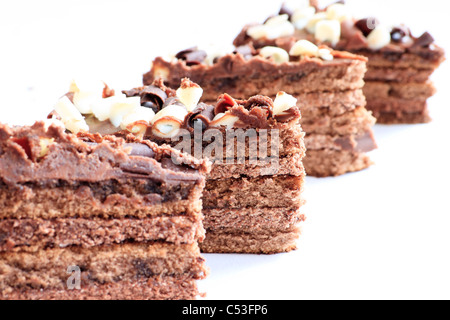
(88, 158)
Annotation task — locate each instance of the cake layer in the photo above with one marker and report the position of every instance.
(337, 102)
(319, 121)
(252, 220)
(59, 199)
(291, 165)
(243, 78)
(153, 288)
(402, 75)
(327, 162)
(261, 192)
(33, 234)
(411, 90)
(47, 269)
(397, 105)
(403, 117)
(359, 143)
(218, 242)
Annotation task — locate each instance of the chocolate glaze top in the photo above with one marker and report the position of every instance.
(35, 153)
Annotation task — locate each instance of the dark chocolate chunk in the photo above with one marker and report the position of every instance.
(192, 56)
(423, 41)
(399, 32)
(367, 25)
(246, 50)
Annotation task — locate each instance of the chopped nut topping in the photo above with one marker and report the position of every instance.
(277, 54)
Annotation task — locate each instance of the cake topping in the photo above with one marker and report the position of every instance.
(85, 93)
(399, 33)
(189, 94)
(379, 38)
(273, 28)
(306, 48)
(311, 25)
(423, 41)
(338, 11)
(71, 117)
(283, 102)
(328, 31)
(192, 56)
(367, 25)
(167, 122)
(278, 55)
(301, 17)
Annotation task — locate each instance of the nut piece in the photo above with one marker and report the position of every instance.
(301, 17)
(311, 26)
(339, 12)
(123, 107)
(224, 120)
(328, 30)
(326, 55)
(85, 93)
(304, 48)
(189, 94)
(45, 143)
(277, 54)
(70, 116)
(283, 102)
(274, 28)
(379, 38)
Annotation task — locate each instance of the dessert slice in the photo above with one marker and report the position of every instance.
(400, 64)
(252, 198)
(326, 83)
(94, 217)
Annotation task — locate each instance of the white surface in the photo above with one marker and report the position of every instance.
(383, 233)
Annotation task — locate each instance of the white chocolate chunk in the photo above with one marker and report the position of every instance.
(85, 92)
(277, 54)
(101, 108)
(379, 38)
(326, 55)
(328, 31)
(301, 17)
(283, 102)
(215, 51)
(304, 48)
(140, 114)
(339, 12)
(53, 122)
(175, 111)
(67, 111)
(190, 96)
(311, 25)
(166, 127)
(120, 109)
(225, 120)
(275, 27)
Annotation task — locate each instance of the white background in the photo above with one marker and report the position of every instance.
(383, 233)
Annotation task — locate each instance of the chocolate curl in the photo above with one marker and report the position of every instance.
(138, 128)
(166, 127)
(224, 103)
(192, 56)
(424, 40)
(154, 95)
(261, 102)
(204, 113)
(224, 120)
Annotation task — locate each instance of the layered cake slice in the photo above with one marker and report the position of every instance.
(400, 64)
(326, 83)
(252, 197)
(94, 217)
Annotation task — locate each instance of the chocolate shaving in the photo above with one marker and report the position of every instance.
(203, 113)
(173, 100)
(246, 50)
(423, 41)
(225, 102)
(288, 115)
(192, 56)
(366, 26)
(400, 32)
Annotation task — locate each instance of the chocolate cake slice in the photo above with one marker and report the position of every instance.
(400, 64)
(97, 217)
(326, 83)
(252, 198)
